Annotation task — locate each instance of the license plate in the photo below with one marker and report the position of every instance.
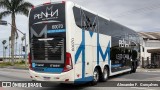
(46, 78)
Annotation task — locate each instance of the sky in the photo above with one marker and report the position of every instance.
(139, 15)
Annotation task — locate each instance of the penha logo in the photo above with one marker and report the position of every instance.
(47, 14)
(123, 43)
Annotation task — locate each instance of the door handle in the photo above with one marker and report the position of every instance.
(87, 63)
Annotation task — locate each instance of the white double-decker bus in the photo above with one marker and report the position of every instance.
(71, 44)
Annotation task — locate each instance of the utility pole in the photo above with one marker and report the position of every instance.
(5, 52)
(9, 47)
(22, 46)
(4, 42)
(20, 51)
(25, 49)
(16, 47)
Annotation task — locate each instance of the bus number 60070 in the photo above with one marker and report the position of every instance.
(72, 44)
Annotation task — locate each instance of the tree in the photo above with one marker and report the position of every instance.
(13, 7)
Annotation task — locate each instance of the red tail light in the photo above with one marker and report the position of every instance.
(68, 63)
(29, 61)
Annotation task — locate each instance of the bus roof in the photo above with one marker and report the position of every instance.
(100, 15)
(83, 9)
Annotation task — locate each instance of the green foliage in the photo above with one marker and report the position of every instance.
(21, 62)
(3, 64)
(14, 7)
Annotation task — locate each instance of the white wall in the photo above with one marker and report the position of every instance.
(149, 44)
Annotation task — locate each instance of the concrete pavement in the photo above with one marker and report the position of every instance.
(7, 74)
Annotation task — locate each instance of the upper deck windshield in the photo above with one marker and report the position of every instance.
(47, 32)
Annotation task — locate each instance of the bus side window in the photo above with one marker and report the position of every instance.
(77, 16)
(89, 21)
(103, 25)
(85, 20)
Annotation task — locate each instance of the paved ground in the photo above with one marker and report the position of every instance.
(14, 75)
(140, 75)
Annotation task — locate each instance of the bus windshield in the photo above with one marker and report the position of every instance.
(47, 33)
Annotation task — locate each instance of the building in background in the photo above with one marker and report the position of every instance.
(150, 48)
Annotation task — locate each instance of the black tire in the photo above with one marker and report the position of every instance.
(95, 77)
(105, 74)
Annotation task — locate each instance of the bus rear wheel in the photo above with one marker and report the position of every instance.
(95, 77)
(105, 75)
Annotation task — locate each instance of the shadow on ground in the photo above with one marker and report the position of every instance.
(82, 86)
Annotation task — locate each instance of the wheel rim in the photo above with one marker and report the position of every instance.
(96, 76)
(105, 74)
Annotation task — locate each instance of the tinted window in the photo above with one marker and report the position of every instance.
(85, 19)
(48, 33)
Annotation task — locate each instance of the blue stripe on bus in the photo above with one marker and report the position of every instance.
(83, 80)
(56, 31)
(91, 33)
(44, 69)
(53, 69)
(116, 65)
(81, 48)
